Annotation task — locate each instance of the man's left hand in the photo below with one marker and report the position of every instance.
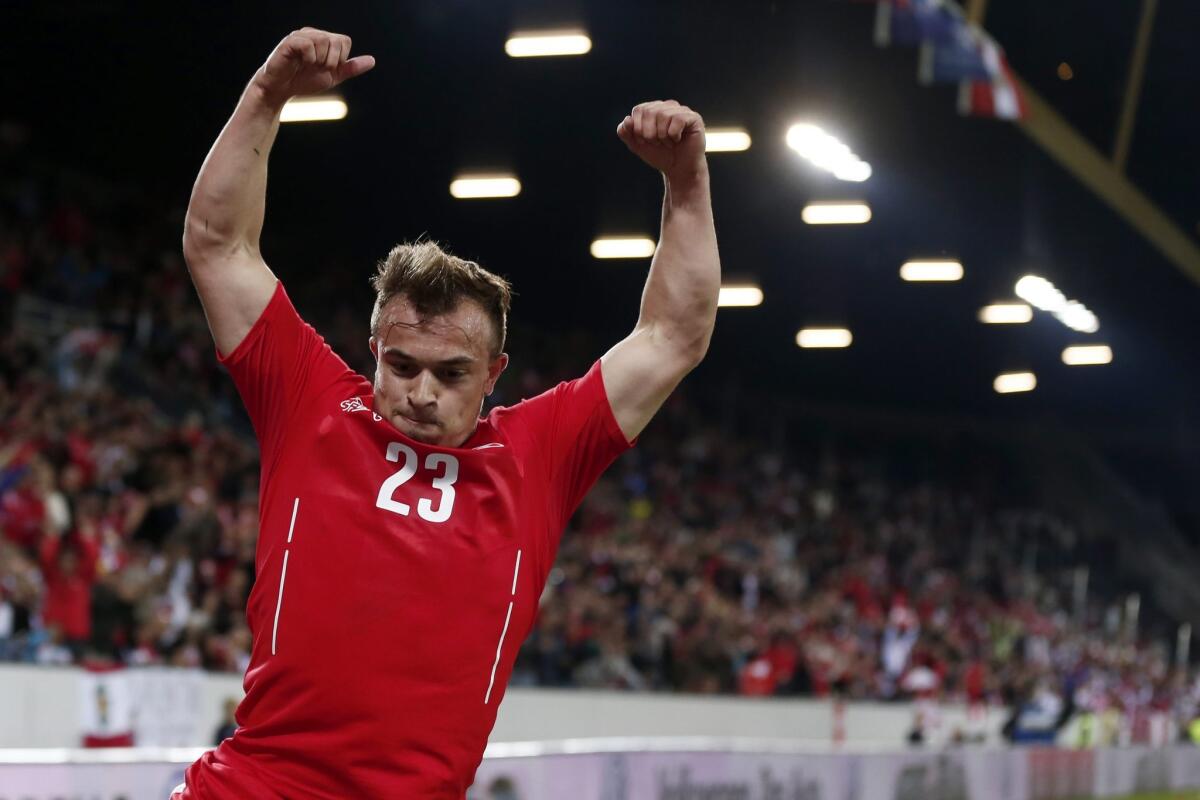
(668, 137)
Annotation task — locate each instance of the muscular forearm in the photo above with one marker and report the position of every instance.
(229, 197)
(679, 302)
(225, 215)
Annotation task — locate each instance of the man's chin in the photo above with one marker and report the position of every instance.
(428, 433)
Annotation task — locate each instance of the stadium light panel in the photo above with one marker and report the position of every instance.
(813, 338)
(1039, 292)
(726, 140)
(315, 108)
(1043, 294)
(1011, 382)
(739, 296)
(855, 172)
(536, 44)
(469, 187)
(836, 213)
(1006, 313)
(938, 270)
(827, 152)
(1077, 317)
(1086, 354)
(623, 247)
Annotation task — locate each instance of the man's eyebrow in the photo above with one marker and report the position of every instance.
(395, 352)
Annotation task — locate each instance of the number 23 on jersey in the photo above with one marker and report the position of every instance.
(444, 463)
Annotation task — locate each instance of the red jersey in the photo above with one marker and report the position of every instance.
(395, 580)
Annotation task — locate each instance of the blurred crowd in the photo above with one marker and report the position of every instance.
(710, 559)
(716, 563)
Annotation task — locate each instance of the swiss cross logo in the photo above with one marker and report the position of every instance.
(356, 404)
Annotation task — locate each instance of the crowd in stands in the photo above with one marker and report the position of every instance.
(707, 560)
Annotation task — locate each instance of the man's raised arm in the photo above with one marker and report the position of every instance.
(679, 303)
(225, 214)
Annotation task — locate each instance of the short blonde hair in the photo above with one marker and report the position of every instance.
(435, 282)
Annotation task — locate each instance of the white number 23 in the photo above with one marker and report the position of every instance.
(445, 483)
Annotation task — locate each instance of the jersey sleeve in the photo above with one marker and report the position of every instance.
(574, 436)
(281, 365)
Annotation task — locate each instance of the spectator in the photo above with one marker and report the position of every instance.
(70, 572)
(228, 723)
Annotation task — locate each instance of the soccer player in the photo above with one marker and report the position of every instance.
(404, 541)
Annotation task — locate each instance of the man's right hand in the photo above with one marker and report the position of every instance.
(308, 61)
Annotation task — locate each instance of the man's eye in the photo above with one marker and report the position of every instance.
(455, 374)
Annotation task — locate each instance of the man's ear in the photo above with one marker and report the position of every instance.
(373, 343)
(495, 367)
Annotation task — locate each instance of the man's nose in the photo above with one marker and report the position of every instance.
(421, 391)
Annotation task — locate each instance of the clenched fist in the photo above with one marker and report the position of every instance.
(308, 61)
(667, 136)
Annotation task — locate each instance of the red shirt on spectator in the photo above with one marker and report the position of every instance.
(784, 656)
(975, 681)
(69, 594)
(79, 447)
(757, 678)
(21, 514)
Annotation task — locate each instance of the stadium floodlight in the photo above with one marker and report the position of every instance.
(533, 44)
(1010, 382)
(726, 140)
(470, 187)
(812, 338)
(1006, 313)
(623, 247)
(1077, 317)
(739, 296)
(1039, 292)
(1086, 354)
(827, 152)
(1043, 294)
(836, 213)
(855, 172)
(936, 270)
(314, 108)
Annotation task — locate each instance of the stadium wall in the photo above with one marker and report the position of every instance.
(56, 707)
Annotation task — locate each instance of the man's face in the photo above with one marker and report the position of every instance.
(432, 373)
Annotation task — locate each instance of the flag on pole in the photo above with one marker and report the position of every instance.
(952, 50)
(913, 21)
(999, 97)
(961, 58)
